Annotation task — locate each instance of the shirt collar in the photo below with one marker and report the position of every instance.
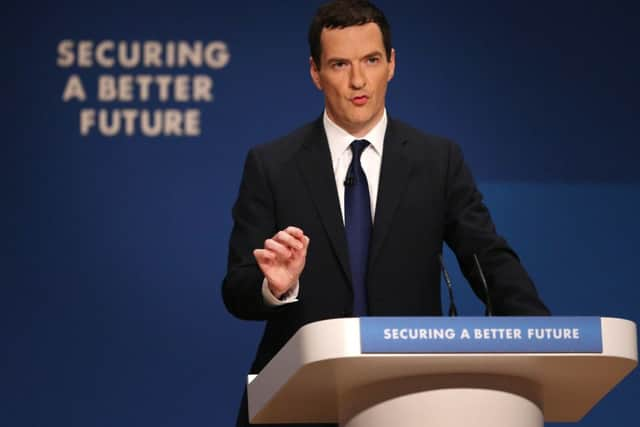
(339, 139)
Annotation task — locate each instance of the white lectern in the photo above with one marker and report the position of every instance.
(322, 376)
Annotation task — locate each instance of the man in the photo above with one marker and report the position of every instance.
(347, 215)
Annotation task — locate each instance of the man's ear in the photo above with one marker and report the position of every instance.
(392, 64)
(315, 73)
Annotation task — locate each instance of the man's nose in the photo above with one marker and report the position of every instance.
(358, 80)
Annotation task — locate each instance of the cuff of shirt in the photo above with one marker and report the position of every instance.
(290, 296)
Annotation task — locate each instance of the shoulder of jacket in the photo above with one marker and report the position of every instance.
(406, 132)
(292, 141)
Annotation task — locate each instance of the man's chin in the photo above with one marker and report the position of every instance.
(362, 122)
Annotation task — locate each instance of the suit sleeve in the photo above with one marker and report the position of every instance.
(469, 230)
(253, 222)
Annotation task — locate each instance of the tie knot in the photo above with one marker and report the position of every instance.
(358, 146)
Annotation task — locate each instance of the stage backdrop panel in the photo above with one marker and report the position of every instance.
(120, 174)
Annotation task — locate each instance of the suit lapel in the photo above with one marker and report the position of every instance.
(314, 163)
(394, 176)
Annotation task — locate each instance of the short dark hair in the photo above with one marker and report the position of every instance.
(342, 14)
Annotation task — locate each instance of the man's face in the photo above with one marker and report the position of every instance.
(354, 72)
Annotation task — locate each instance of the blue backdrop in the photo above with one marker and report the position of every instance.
(115, 248)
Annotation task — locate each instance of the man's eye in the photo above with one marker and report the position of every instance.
(373, 59)
(338, 65)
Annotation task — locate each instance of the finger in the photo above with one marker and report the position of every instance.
(295, 231)
(279, 249)
(288, 240)
(263, 256)
(301, 253)
(306, 241)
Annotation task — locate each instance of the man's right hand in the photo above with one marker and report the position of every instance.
(282, 259)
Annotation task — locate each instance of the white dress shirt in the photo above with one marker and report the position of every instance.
(341, 155)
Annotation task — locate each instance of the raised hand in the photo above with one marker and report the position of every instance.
(282, 259)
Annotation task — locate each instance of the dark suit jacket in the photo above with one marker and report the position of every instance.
(427, 196)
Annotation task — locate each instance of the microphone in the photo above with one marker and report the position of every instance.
(489, 308)
(452, 305)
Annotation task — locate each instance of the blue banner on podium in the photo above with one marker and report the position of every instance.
(480, 335)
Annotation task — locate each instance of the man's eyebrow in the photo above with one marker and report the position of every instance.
(367, 55)
(374, 53)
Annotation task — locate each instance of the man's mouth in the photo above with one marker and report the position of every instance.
(360, 100)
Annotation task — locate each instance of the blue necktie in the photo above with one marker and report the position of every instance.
(357, 221)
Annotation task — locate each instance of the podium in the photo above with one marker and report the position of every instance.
(505, 374)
